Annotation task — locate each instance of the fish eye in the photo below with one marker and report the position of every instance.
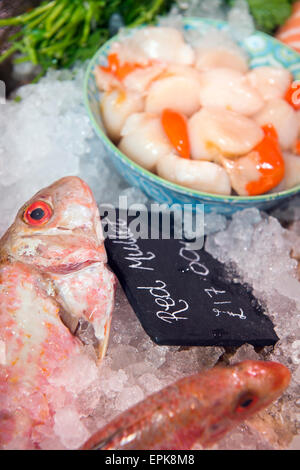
(38, 213)
(245, 402)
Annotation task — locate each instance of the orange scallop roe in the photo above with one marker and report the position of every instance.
(175, 127)
(120, 71)
(270, 163)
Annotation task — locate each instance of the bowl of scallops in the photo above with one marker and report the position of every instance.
(190, 115)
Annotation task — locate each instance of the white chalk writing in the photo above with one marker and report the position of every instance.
(136, 255)
(218, 296)
(194, 260)
(231, 314)
(163, 299)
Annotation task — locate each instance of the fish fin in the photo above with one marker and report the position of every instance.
(86, 333)
(79, 327)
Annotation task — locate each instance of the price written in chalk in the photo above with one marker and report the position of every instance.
(193, 259)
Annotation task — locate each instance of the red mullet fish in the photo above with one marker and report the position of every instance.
(201, 408)
(56, 295)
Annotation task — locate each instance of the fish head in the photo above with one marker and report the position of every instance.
(58, 229)
(240, 391)
(261, 383)
(256, 385)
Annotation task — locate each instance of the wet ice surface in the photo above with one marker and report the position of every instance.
(260, 249)
(47, 135)
(135, 367)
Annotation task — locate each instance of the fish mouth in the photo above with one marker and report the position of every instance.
(80, 327)
(280, 376)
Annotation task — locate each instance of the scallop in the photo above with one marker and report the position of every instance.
(115, 107)
(211, 58)
(284, 118)
(292, 170)
(214, 131)
(241, 171)
(155, 43)
(229, 89)
(177, 88)
(140, 79)
(270, 82)
(200, 175)
(143, 140)
(105, 81)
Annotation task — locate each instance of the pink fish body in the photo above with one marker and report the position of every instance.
(201, 408)
(289, 32)
(56, 294)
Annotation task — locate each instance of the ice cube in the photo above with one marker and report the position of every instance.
(240, 20)
(76, 374)
(69, 428)
(129, 397)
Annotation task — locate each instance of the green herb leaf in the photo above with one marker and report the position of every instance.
(60, 32)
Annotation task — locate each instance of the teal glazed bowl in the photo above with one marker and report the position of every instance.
(262, 49)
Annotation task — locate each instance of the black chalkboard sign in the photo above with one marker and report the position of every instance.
(183, 296)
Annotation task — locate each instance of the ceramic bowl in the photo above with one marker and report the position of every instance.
(262, 49)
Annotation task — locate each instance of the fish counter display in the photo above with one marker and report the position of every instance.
(155, 343)
(56, 303)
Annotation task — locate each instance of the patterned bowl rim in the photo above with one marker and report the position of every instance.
(151, 176)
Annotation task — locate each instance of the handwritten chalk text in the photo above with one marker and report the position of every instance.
(163, 299)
